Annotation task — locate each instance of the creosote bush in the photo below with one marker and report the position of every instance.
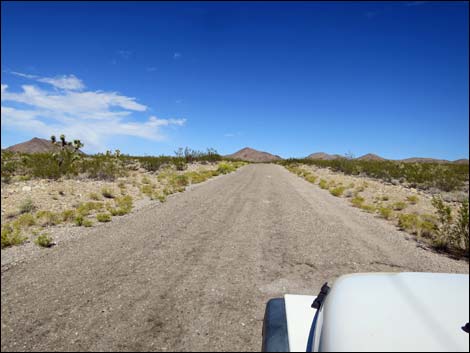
(44, 240)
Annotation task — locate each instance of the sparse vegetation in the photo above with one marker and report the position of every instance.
(106, 192)
(323, 184)
(27, 206)
(338, 191)
(385, 212)
(357, 201)
(399, 206)
(103, 217)
(44, 240)
(11, 236)
(48, 218)
(446, 177)
(413, 199)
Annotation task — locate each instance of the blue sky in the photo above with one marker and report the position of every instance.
(290, 78)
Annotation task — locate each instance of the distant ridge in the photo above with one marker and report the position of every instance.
(370, 157)
(324, 156)
(461, 161)
(35, 145)
(252, 155)
(423, 160)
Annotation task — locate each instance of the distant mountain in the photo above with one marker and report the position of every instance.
(35, 145)
(252, 155)
(324, 156)
(424, 160)
(370, 157)
(461, 161)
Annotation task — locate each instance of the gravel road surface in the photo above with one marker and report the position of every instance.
(194, 273)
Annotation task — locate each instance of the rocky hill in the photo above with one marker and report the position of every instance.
(252, 155)
(35, 145)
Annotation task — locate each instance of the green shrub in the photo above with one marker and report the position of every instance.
(384, 198)
(311, 178)
(103, 217)
(68, 215)
(368, 208)
(338, 191)
(87, 223)
(323, 184)
(357, 201)
(48, 218)
(225, 168)
(79, 220)
(123, 206)
(147, 189)
(413, 199)
(459, 233)
(106, 192)
(25, 220)
(409, 222)
(11, 236)
(398, 206)
(44, 240)
(94, 196)
(385, 212)
(27, 206)
(145, 180)
(86, 208)
(443, 235)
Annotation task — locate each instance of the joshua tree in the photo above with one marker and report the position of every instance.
(62, 140)
(53, 139)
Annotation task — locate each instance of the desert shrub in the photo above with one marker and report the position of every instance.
(385, 212)
(338, 191)
(26, 206)
(160, 197)
(444, 227)
(398, 206)
(68, 215)
(199, 177)
(103, 217)
(86, 208)
(11, 236)
(384, 198)
(413, 199)
(446, 177)
(147, 189)
(124, 203)
(123, 206)
(44, 240)
(102, 166)
(225, 168)
(357, 201)
(408, 222)
(81, 221)
(311, 178)
(459, 232)
(25, 220)
(368, 208)
(145, 180)
(48, 218)
(94, 196)
(106, 192)
(323, 184)
(179, 181)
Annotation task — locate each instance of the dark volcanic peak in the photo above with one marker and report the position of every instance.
(370, 157)
(252, 155)
(324, 156)
(35, 145)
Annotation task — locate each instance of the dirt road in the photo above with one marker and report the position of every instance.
(195, 272)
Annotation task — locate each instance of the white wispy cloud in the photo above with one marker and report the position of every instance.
(92, 116)
(70, 82)
(176, 55)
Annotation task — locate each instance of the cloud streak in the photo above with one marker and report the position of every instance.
(95, 117)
